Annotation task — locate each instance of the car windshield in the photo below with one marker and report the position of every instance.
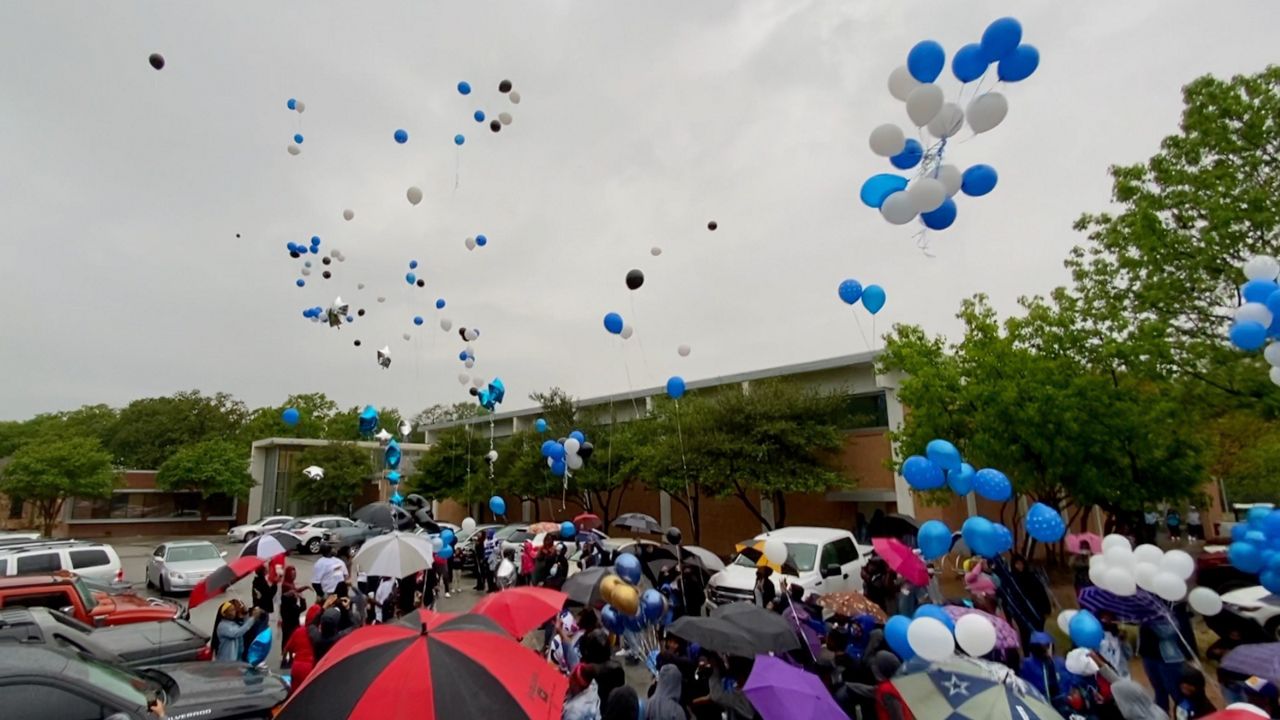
(800, 556)
(295, 525)
(507, 532)
(115, 681)
(186, 553)
(520, 536)
(86, 595)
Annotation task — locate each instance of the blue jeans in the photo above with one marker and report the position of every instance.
(1164, 678)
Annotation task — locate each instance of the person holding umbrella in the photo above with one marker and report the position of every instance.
(291, 606)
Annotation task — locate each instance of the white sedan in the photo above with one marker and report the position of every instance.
(249, 531)
(1255, 603)
(311, 530)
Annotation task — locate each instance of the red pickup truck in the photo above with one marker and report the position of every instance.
(68, 593)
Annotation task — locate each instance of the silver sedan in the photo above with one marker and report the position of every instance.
(180, 565)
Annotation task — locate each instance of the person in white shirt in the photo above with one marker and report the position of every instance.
(1195, 530)
(327, 573)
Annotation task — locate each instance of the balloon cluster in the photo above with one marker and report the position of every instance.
(872, 296)
(299, 107)
(942, 465)
(1255, 546)
(615, 325)
(502, 119)
(472, 243)
(934, 635)
(1257, 320)
(929, 195)
(443, 544)
(626, 607)
(1122, 569)
(411, 277)
(491, 396)
(567, 453)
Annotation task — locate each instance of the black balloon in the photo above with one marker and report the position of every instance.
(674, 536)
(504, 86)
(326, 261)
(422, 283)
(712, 226)
(495, 126)
(585, 450)
(237, 234)
(635, 279)
(156, 60)
(474, 391)
(294, 254)
(360, 312)
(326, 274)
(462, 333)
(357, 343)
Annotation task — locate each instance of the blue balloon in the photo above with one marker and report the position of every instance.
(291, 416)
(1044, 523)
(943, 454)
(969, 63)
(675, 387)
(980, 535)
(577, 435)
(315, 249)
(1247, 335)
(873, 298)
(613, 323)
(557, 451)
(417, 320)
(1019, 65)
(464, 87)
(1085, 630)
(481, 240)
(393, 478)
(292, 104)
(448, 537)
(934, 539)
(611, 619)
(1270, 525)
(445, 552)
(1273, 304)
(402, 137)
(315, 239)
(1003, 539)
(922, 474)
(478, 115)
(1245, 557)
(941, 217)
(628, 567)
(895, 633)
(458, 139)
(1237, 532)
(1271, 581)
(908, 158)
(547, 446)
(878, 187)
(392, 454)
(413, 264)
(1257, 538)
(1256, 516)
(497, 505)
(300, 282)
(961, 481)
(652, 604)
(462, 355)
(992, 485)
(559, 468)
(568, 530)
(937, 613)
(541, 426)
(439, 303)
(850, 291)
(350, 319)
(978, 180)
(259, 648)
(397, 499)
(926, 60)
(297, 138)
(1000, 39)
(1258, 291)
(410, 278)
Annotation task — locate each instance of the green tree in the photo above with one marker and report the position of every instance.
(91, 421)
(347, 468)
(212, 467)
(315, 412)
(454, 467)
(152, 429)
(46, 473)
(662, 461)
(440, 413)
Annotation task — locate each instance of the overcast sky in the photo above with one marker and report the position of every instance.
(124, 188)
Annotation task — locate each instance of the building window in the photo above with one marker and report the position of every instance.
(16, 507)
(152, 506)
(865, 411)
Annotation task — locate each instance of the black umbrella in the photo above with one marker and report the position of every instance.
(770, 631)
(715, 634)
(653, 559)
(583, 588)
(701, 557)
(639, 522)
(385, 515)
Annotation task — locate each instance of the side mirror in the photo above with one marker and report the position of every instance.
(69, 611)
(831, 570)
(223, 553)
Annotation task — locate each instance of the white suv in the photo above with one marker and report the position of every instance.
(822, 560)
(249, 531)
(310, 530)
(94, 560)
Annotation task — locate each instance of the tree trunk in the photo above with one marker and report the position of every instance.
(695, 515)
(741, 493)
(780, 509)
(48, 510)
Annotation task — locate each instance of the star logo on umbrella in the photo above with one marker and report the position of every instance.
(956, 686)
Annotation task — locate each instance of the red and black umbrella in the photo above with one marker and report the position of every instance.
(588, 521)
(222, 578)
(429, 666)
(520, 610)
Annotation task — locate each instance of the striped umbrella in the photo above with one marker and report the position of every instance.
(1137, 608)
(1261, 659)
(273, 544)
(958, 690)
(222, 578)
(1006, 636)
(753, 550)
(395, 554)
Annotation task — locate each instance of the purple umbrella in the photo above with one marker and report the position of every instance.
(780, 691)
(1261, 659)
(1137, 608)
(1006, 636)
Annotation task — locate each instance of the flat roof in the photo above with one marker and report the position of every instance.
(317, 442)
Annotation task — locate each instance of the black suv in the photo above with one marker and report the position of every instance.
(39, 682)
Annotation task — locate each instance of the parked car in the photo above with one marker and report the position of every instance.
(1214, 571)
(180, 565)
(515, 540)
(464, 552)
(351, 536)
(89, 559)
(1257, 607)
(310, 530)
(15, 535)
(133, 645)
(68, 593)
(39, 682)
(822, 560)
(249, 531)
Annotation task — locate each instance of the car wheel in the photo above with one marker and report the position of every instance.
(1272, 628)
(164, 589)
(150, 585)
(313, 546)
(249, 536)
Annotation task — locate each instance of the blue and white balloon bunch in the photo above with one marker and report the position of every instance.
(934, 635)
(567, 454)
(1255, 546)
(1257, 320)
(928, 196)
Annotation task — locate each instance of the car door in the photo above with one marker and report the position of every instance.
(155, 565)
(850, 563)
(42, 701)
(829, 557)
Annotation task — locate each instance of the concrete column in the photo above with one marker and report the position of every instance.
(664, 509)
(766, 507)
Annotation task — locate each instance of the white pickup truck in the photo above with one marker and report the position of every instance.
(822, 560)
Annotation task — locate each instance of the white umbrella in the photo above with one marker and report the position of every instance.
(395, 554)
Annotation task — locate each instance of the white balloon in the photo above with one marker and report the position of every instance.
(986, 111)
(1098, 573)
(300, 106)
(1275, 375)
(468, 524)
(1064, 620)
(446, 324)
(294, 149)
(470, 243)
(684, 350)
(901, 83)
(469, 335)
(947, 122)
(975, 634)
(1096, 560)
(924, 103)
(1272, 353)
(1113, 540)
(1170, 586)
(306, 271)
(515, 97)
(572, 446)
(1148, 553)
(347, 214)
(469, 363)
(437, 543)
(574, 461)
(1205, 601)
(627, 331)
(1253, 311)
(381, 299)
(463, 378)
(951, 178)
(414, 194)
(491, 456)
(1120, 556)
(775, 551)
(1261, 267)
(405, 336)
(1178, 562)
(1119, 581)
(504, 118)
(477, 381)
(926, 194)
(898, 208)
(930, 639)
(887, 140)
(1144, 575)
(655, 251)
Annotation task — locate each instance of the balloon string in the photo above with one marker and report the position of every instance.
(858, 320)
(457, 169)
(874, 339)
(648, 374)
(631, 390)
(688, 491)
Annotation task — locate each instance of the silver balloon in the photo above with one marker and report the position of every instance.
(470, 335)
(463, 378)
(381, 299)
(306, 271)
(951, 178)
(947, 122)
(887, 140)
(901, 84)
(924, 103)
(684, 350)
(926, 194)
(515, 97)
(470, 363)
(405, 336)
(347, 214)
(987, 111)
(294, 149)
(406, 427)
(627, 331)
(655, 251)
(359, 286)
(898, 209)
(414, 194)
(446, 324)
(504, 118)
(314, 472)
(384, 359)
(478, 382)
(300, 106)
(470, 243)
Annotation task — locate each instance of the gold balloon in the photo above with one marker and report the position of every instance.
(626, 599)
(607, 585)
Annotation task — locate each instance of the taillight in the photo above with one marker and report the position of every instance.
(120, 574)
(206, 653)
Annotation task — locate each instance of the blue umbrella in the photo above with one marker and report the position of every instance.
(967, 689)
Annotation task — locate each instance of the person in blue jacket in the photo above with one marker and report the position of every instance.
(1042, 670)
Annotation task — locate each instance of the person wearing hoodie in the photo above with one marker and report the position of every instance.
(623, 704)
(1044, 671)
(1193, 702)
(527, 554)
(665, 703)
(324, 637)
